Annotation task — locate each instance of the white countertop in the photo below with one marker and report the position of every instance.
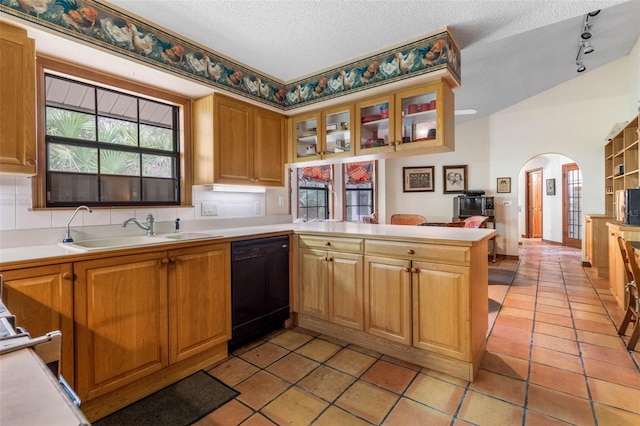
(437, 235)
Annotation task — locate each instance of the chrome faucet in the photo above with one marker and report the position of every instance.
(67, 235)
(149, 226)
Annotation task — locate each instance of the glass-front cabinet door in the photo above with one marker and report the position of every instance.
(337, 124)
(374, 122)
(307, 137)
(425, 117)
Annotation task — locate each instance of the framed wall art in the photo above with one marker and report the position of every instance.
(417, 179)
(454, 179)
(551, 187)
(504, 184)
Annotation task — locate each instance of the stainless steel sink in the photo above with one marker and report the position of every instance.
(132, 241)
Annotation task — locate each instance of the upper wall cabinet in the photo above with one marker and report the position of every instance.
(17, 102)
(237, 143)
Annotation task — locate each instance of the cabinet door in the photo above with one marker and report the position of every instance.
(346, 290)
(121, 321)
(307, 137)
(337, 122)
(269, 148)
(441, 309)
(313, 283)
(387, 296)
(41, 298)
(17, 101)
(374, 123)
(199, 299)
(233, 146)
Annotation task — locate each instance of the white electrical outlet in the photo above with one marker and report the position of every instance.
(209, 209)
(506, 203)
(258, 207)
(281, 200)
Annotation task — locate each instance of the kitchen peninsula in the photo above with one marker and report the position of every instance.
(415, 293)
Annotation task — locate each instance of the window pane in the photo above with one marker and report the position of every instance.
(157, 166)
(70, 95)
(158, 189)
(119, 162)
(70, 124)
(156, 137)
(117, 105)
(120, 189)
(156, 113)
(74, 159)
(69, 188)
(117, 131)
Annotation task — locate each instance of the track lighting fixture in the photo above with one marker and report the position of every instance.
(585, 43)
(586, 47)
(585, 33)
(594, 13)
(581, 66)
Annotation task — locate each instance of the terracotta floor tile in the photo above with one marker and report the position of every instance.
(435, 393)
(318, 350)
(556, 343)
(408, 412)
(389, 376)
(264, 354)
(233, 371)
(507, 365)
(597, 327)
(502, 346)
(538, 419)
(230, 414)
(552, 302)
(556, 359)
(326, 383)
(334, 340)
(351, 362)
(294, 406)
(515, 312)
(552, 288)
(596, 309)
(258, 420)
(367, 401)
(562, 380)
(334, 416)
(591, 316)
(514, 334)
(564, 321)
(259, 389)
(292, 367)
(614, 356)
(519, 304)
(585, 299)
(615, 395)
(482, 409)
(445, 377)
(612, 372)
(518, 296)
(614, 342)
(559, 405)
(365, 351)
(291, 339)
(553, 310)
(519, 323)
(401, 363)
(552, 295)
(555, 330)
(499, 386)
(613, 416)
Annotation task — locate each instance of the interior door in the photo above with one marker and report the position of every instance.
(534, 204)
(571, 205)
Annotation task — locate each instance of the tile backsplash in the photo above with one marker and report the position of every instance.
(222, 209)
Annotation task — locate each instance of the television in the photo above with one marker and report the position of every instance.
(467, 206)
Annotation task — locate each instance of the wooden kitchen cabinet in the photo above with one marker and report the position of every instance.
(621, 162)
(17, 101)
(322, 135)
(121, 321)
(596, 249)
(375, 125)
(617, 274)
(238, 143)
(41, 298)
(332, 280)
(199, 299)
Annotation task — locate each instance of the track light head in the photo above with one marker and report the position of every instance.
(594, 13)
(586, 35)
(586, 47)
(581, 66)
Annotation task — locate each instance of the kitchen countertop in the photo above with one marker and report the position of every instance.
(436, 235)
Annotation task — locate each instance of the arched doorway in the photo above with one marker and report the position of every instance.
(550, 193)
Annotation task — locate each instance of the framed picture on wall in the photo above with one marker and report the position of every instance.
(417, 179)
(504, 184)
(551, 187)
(454, 179)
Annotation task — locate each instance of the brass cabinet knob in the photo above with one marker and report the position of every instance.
(164, 261)
(414, 270)
(410, 251)
(405, 269)
(67, 276)
(31, 162)
(328, 243)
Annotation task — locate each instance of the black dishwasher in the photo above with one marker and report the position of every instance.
(259, 288)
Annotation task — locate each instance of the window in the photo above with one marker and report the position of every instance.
(313, 192)
(359, 191)
(106, 141)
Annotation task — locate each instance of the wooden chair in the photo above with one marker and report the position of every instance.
(632, 315)
(407, 219)
(476, 222)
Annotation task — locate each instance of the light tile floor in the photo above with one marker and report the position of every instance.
(553, 357)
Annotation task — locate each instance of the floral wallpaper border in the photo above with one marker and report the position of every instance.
(98, 24)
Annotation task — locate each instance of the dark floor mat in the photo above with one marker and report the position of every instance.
(181, 403)
(501, 276)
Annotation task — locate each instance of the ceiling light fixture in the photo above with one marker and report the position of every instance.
(585, 43)
(586, 47)
(581, 66)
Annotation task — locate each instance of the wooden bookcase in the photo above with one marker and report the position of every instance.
(621, 163)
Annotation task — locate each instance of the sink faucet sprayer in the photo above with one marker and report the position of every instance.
(149, 226)
(67, 235)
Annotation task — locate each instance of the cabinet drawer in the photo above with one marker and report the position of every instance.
(354, 245)
(417, 251)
